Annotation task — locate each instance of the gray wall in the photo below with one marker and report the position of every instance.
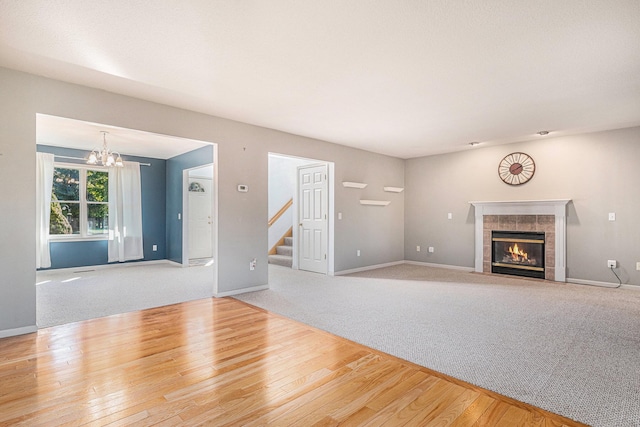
(598, 171)
(243, 159)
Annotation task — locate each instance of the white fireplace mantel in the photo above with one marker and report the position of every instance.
(556, 207)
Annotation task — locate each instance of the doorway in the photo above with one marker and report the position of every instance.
(163, 158)
(313, 217)
(288, 205)
(198, 213)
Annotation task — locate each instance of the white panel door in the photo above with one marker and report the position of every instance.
(313, 199)
(200, 221)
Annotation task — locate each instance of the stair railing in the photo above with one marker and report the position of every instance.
(275, 218)
(280, 212)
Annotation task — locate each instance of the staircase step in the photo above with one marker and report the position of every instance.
(288, 241)
(284, 250)
(283, 260)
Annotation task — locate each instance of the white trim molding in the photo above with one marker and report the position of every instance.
(447, 266)
(556, 207)
(368, 267)
(241, 291)
(5, 333)
(603, 284)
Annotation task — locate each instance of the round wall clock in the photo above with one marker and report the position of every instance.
(516, 168)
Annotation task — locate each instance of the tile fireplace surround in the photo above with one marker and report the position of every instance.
(549, 216)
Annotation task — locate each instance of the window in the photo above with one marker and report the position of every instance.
(79, 202)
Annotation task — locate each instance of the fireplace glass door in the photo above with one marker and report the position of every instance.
(519, 253)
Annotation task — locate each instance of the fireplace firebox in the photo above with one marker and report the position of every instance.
(519, 253)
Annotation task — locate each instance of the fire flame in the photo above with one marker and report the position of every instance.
(517, 253)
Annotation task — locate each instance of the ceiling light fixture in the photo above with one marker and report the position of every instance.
(105, 157)
(543, 132)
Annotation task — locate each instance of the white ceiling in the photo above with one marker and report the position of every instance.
(69, 133)
(401, 77)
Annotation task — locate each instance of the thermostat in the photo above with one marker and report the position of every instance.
(243, 188)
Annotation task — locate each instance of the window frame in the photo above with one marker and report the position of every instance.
(83, 203)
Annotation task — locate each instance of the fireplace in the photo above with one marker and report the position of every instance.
(548, 216)
(519, 253)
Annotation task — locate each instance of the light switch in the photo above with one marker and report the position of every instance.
(449, 215)
(339, 215)
(612, 216)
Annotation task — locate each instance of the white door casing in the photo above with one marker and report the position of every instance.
(200, 219)
(312, 215)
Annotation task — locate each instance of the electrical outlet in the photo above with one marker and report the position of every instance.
(612, 216)
(252, 264)
(450, 215)
(358, 252)
(155, 248)
(431, 249)
(418, 249)
(612, 263)
(638, 266)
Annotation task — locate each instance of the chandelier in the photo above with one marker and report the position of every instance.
(105, 157)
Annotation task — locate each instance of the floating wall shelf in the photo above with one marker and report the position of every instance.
(350, 184)
(375, 202)
(394, 189)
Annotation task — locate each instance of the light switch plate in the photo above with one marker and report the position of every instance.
(612, 216)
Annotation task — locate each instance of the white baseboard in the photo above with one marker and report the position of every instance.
(18, 331)
(389, 264)
(447, 266)
(241, 291)
(369, 267)
(602, 284)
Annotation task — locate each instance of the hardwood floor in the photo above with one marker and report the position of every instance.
(221, 362)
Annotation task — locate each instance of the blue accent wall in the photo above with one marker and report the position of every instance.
(175, 167)
(153, 187)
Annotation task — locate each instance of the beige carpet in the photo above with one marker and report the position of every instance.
(571, 349)
(71, 295)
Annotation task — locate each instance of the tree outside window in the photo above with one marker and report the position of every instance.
(97, 202)
(79, 202)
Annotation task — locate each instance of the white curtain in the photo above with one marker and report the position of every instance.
(44, 185)
(125, 213)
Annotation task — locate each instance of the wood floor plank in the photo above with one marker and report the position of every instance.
(225, 363)
(474, 411)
